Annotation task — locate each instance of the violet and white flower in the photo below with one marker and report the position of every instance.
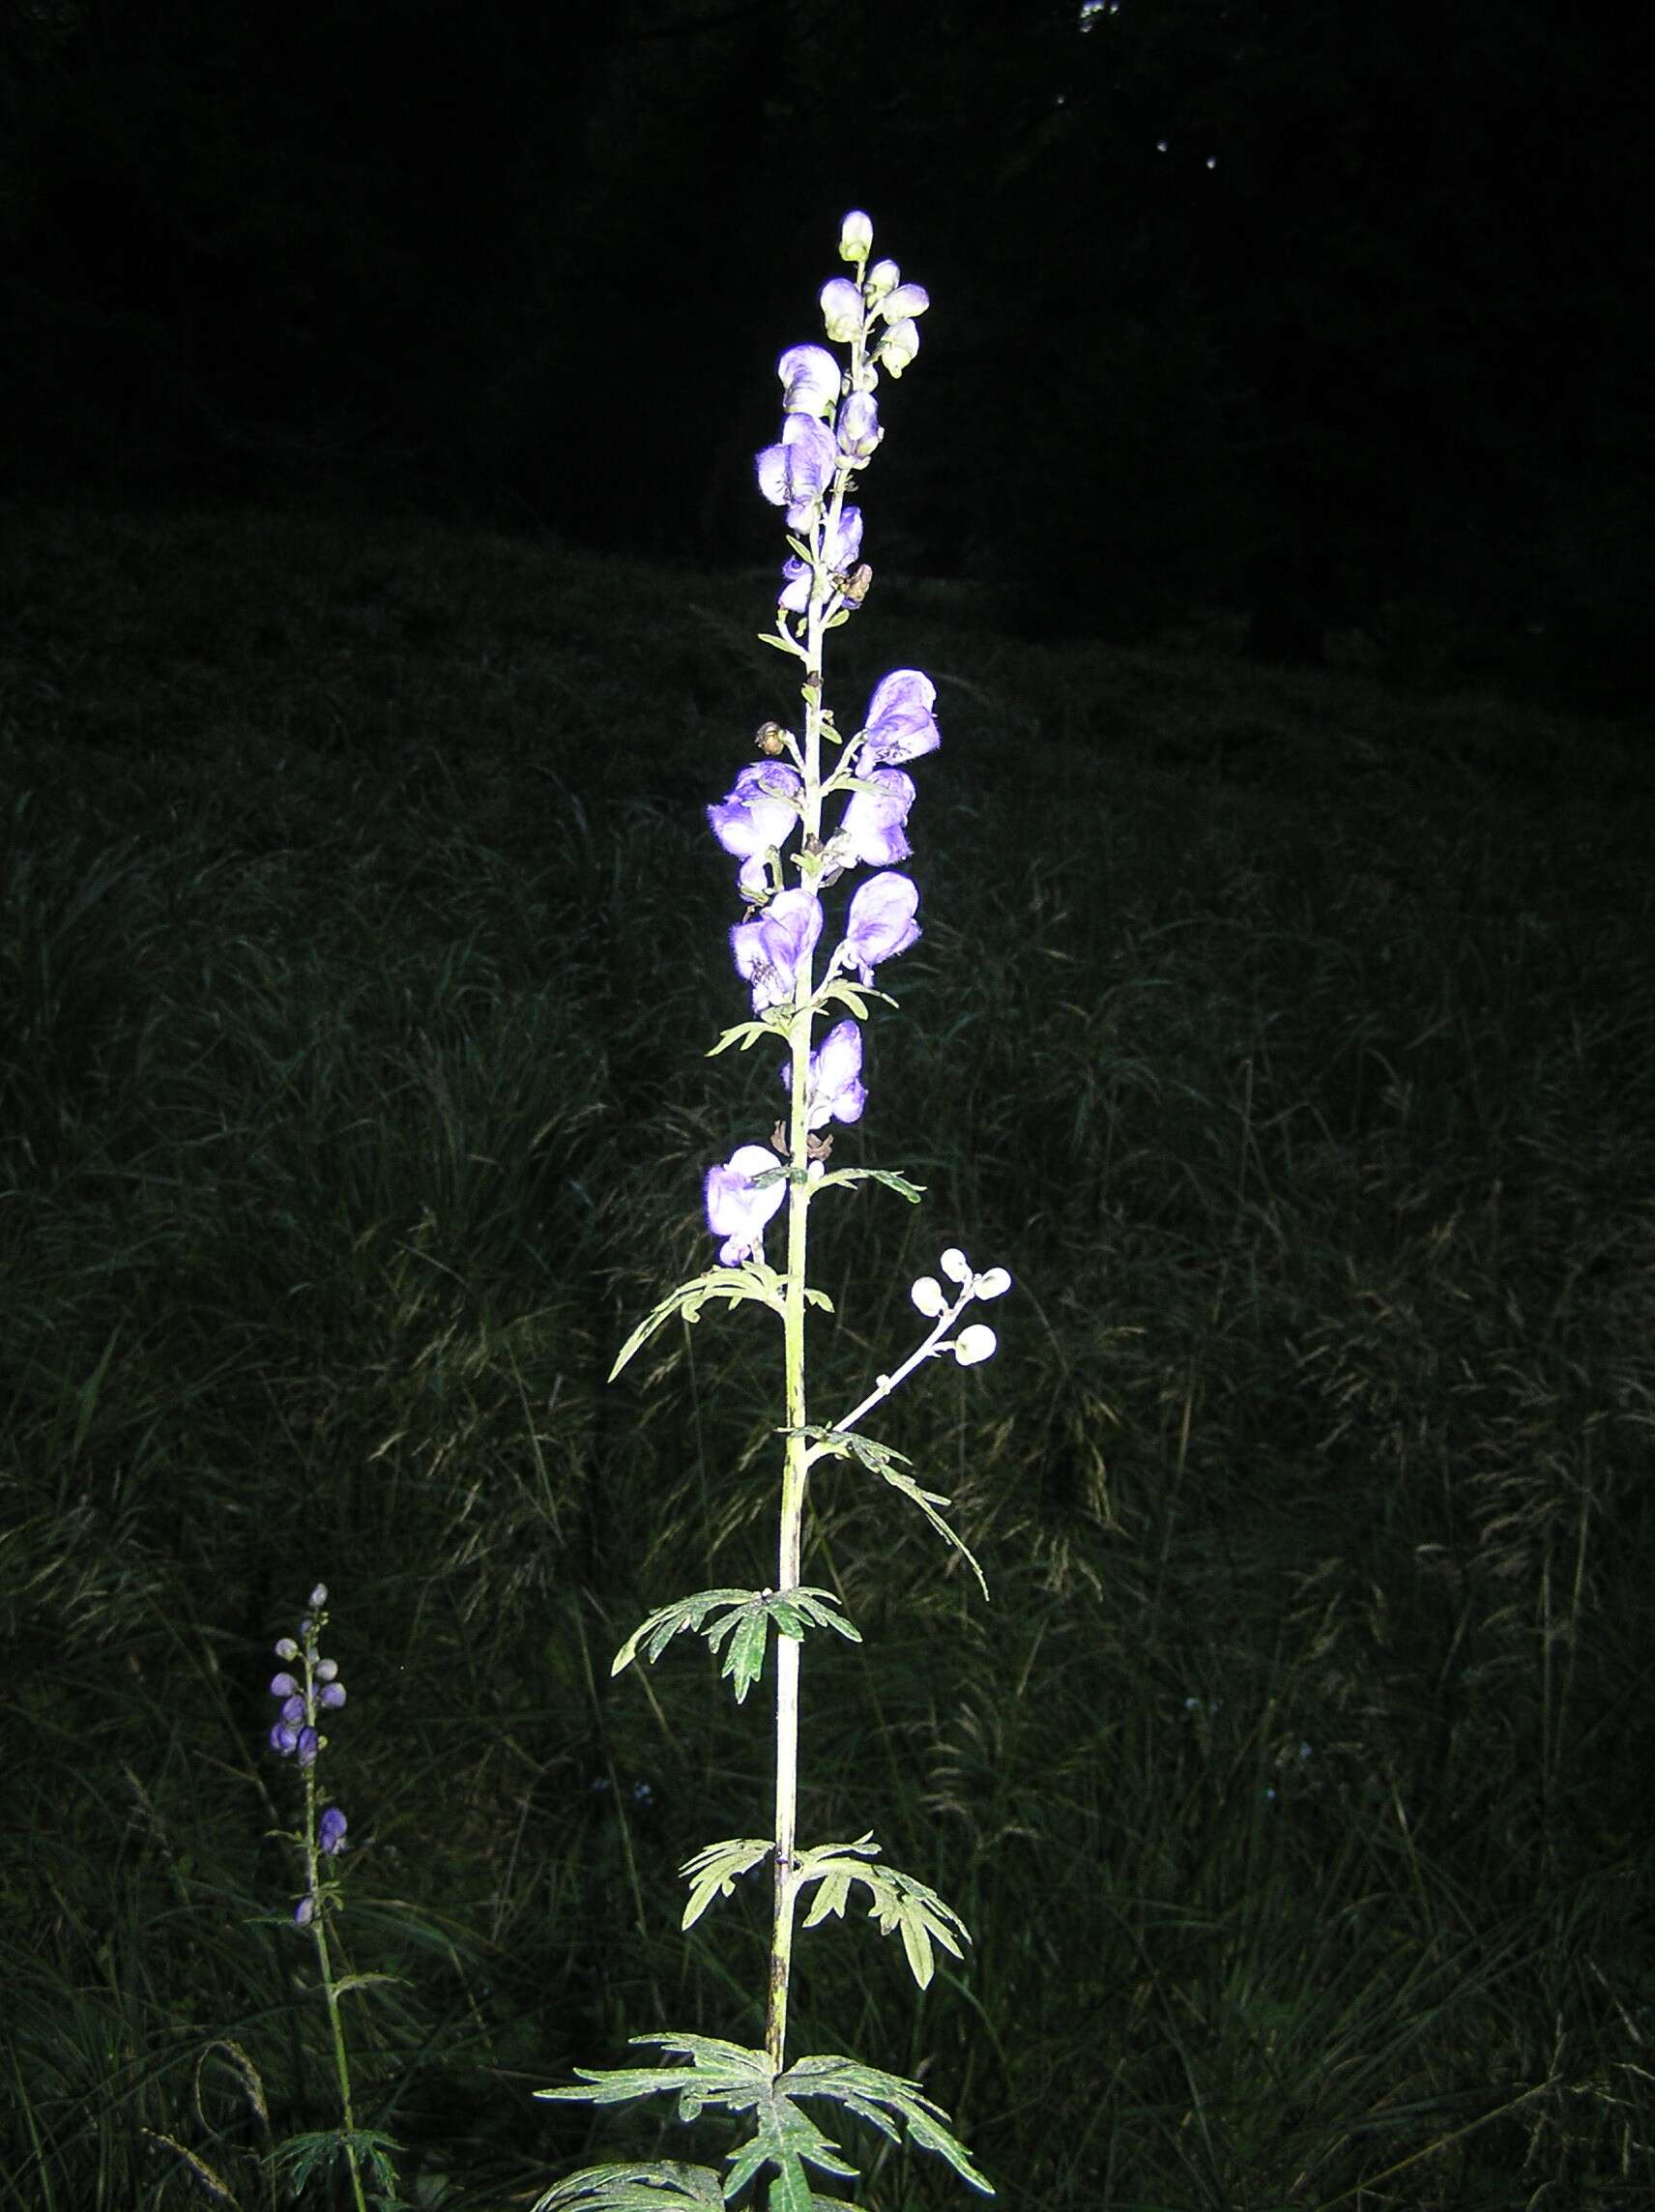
(880, 924)
(855, 236)
(841, 309)
(904, 303)
(900, 725)
(810, 380)
(839, 550)
(796, 472)
(768, 952)
(858, 428)
(737, 1213)
(834, 1086)
(872, 829)
(754, 817)
(899, 347)
(331, 1832)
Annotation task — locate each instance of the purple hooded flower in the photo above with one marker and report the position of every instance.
(880, 924)
(737, 1213)
(871, 830)
(755, 817)
(907, 299)
(810, 380)
(897, 349)
(834, 1086)
(839, 551)
(331, 1832)
(768, 952)
(796, 472)
(900, 726)
(841, 309)
(859, 427)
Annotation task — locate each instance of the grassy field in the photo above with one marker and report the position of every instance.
(1291, 1040)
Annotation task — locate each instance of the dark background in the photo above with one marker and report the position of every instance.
(1335, 315)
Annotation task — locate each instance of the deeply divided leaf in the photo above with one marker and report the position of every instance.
(753, 1280)
(737, 1623)
(901, 1904)
(665, 2186)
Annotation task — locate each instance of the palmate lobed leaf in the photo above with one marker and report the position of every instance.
(901, 1902)
(741, 1619)
(719, 2073)
(745, 1034)
(664, 2185)
(913, 1192)
(889, 1464)
(753, 1280)
(714, 1872)
(885, 2102)
(728, 2076)
(786, 2141)
(853, 996)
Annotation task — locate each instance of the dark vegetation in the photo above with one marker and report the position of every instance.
(1289, 1034)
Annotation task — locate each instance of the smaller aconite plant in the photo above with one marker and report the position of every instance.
(774, 822)
(309, 1690)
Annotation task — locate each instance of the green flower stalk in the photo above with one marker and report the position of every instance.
(306, 1699)
(774, 823)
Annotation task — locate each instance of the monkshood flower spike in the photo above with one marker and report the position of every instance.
(308, 1691)
(819, 804)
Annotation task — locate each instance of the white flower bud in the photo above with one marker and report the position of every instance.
(899, 347)
(955, 1265)
(905, 300)
(974, 1344)
(841, 311)
(855, 237)
(927, 1295)
(992, 1283)
(882, 277)
(319, 1595)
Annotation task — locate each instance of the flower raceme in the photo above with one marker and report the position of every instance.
(830, 428)
(773, 823)
(304, 1699)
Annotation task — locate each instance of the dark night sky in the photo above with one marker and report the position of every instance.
(1270, 301)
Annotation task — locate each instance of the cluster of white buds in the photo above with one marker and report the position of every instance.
(978, 1342)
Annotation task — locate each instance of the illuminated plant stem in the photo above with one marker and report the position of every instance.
(797, 1462)
(325, 1967)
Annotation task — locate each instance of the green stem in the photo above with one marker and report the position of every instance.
(324, 1957)
(795, 1467)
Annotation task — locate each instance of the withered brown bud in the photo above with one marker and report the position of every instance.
(771, 738)
(853, 586)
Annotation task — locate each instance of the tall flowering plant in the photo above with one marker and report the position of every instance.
(307, 1692)
(774, 823)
